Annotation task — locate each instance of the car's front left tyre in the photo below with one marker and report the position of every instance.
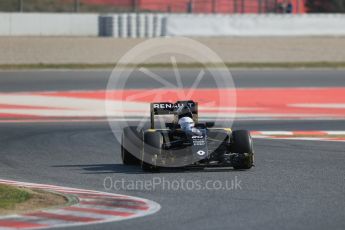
(153, 142)
(131, 143)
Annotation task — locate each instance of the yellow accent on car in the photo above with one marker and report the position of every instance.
(150, 130)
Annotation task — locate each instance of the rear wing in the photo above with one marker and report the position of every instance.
(178, 109)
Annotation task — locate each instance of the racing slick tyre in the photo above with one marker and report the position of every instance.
(243, 146)
(131, 142)
(153, 142)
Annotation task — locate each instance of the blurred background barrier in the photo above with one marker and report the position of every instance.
(132, 25)
(146, 25)
(156, 18)
(256, 25)
(158, 6)
(48, 24)
(175, 6)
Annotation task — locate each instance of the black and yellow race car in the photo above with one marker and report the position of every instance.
(184, 142)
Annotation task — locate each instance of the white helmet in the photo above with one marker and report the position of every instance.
(186, 123)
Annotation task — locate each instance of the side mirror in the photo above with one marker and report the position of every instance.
(209, 124)
(172, 126)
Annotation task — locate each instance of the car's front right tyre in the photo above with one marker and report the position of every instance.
(243, 146)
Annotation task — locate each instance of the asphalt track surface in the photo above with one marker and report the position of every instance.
(295, 184)
(15, 81)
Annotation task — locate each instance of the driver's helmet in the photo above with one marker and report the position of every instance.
(186, 124)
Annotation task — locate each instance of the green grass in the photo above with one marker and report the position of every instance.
(9, 196)
(180, 65)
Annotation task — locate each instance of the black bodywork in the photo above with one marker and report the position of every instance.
(206, 147)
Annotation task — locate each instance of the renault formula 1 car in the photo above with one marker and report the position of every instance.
(184, 142)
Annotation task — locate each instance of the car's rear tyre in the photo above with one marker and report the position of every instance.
(131, 143)
(153, 142)
(243, 146)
